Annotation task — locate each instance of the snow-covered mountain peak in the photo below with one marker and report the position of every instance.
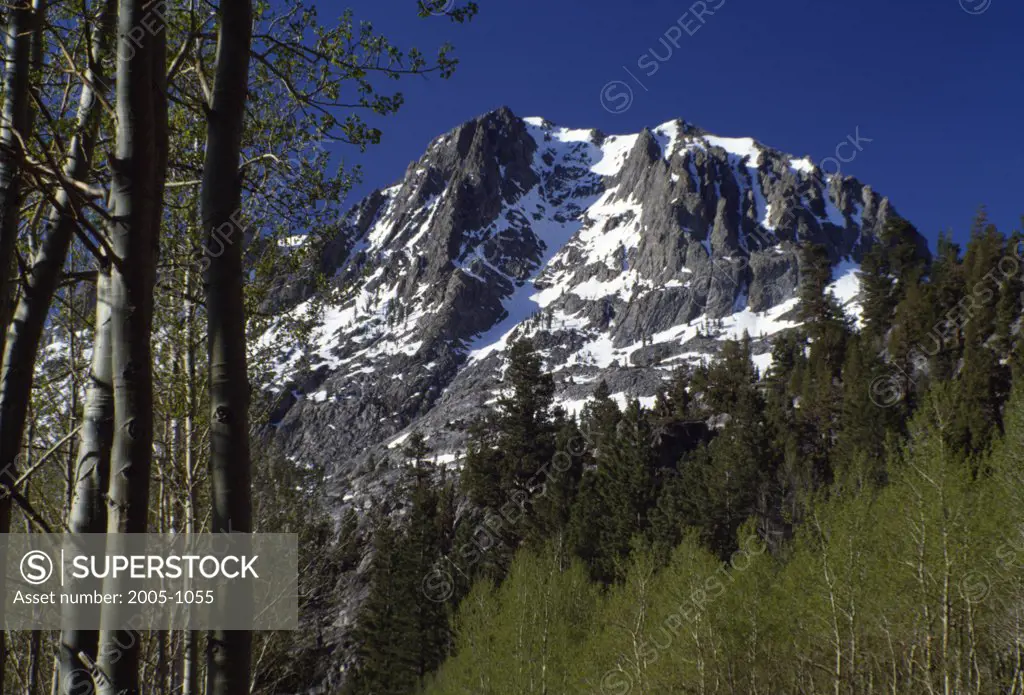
(622, 256)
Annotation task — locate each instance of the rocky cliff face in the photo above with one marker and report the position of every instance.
(623, 256)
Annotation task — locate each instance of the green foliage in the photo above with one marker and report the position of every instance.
(523, 636)
(891, 265)
(624, 484)
(552, 509)
(822, 317)
(510, 453)
(402, 631)
(914, 587)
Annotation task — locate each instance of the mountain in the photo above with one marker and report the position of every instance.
(622, 256)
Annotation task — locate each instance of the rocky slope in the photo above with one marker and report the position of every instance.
(623, 256)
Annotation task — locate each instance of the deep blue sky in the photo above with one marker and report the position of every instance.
(938, 90)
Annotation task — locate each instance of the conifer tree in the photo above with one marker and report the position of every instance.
(984, 385)
(815, 276)
(946, 288)
(552, 507)
(859, 454)
(728, 480)
(1011, 288)
(876, 292)
(402, 630)
(508, 453)
(626, 483)
(585, 536)
(728, 379)
(349, 545)
(385, 664)
(891, 265)
(420, 553)
(600, 416)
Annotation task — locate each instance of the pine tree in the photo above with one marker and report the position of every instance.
(552, 507)
(815, 276)
(509, 453)
(984, 387)
(891, 265)
(729, 379)
(417, 452)
(626, 484)
(868, 413)
(349, 546)
(876, 287)
(385, 664)
(983, 378)
(1008, 305)
(678, 395)
(600, 415)
(585, 536)
(946, 289)
(913, 348)
(420, 553)
(728, 480)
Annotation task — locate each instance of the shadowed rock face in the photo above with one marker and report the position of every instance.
(623, 257)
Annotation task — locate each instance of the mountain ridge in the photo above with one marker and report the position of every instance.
(622, 256)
